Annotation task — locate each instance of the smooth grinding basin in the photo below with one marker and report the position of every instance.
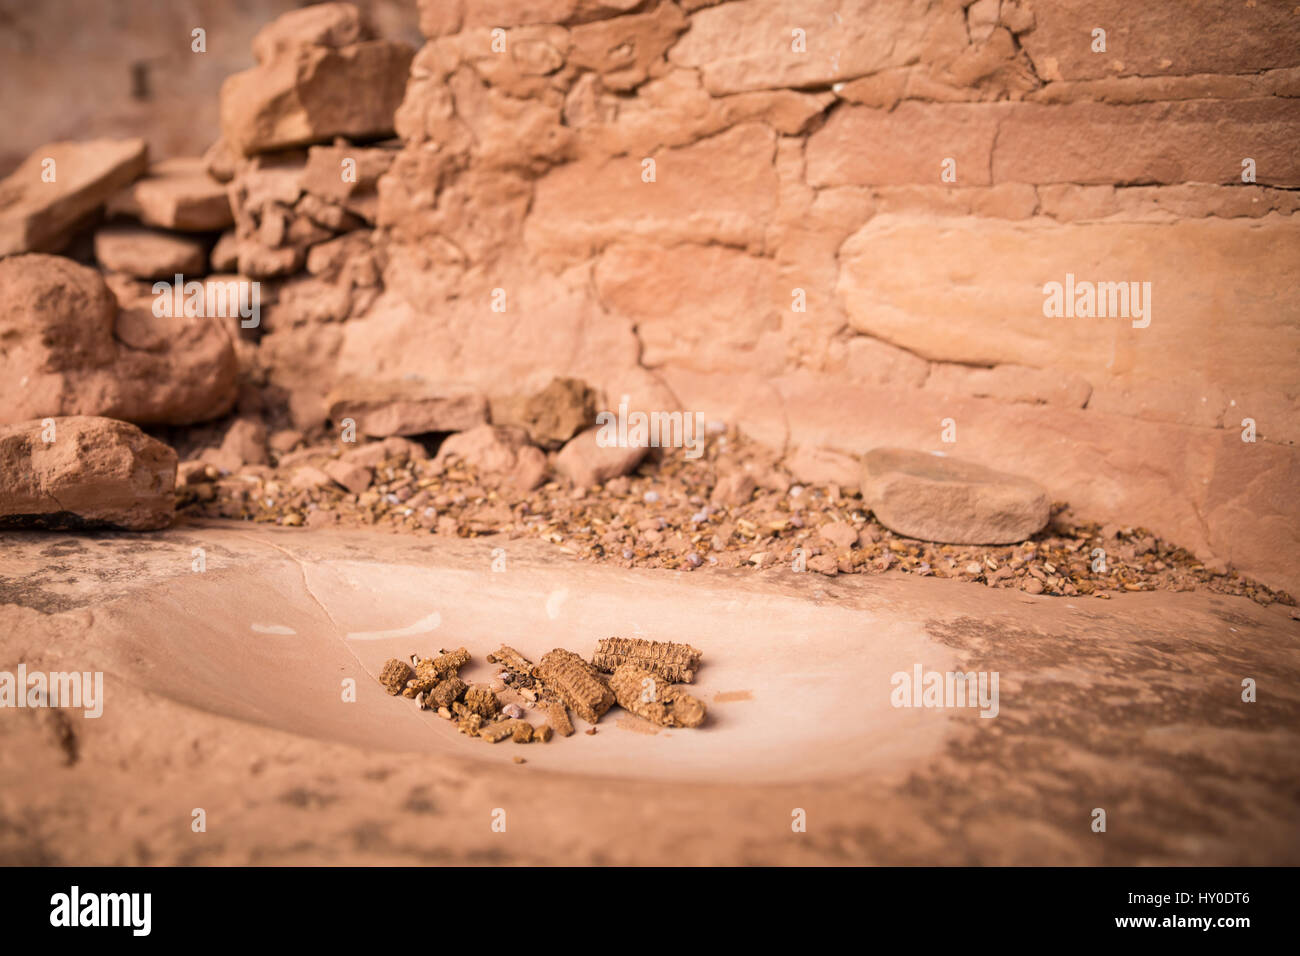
(797, 681)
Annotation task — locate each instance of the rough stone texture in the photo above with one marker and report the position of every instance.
(498, 452)
(894, 786)
(951, 501)
(149, 254)
(70, 350)
(312, 93)
(585, 463)
(405, 408)
(1217, 36)
(818, 281)
(176, 194)
(37, 215)
(1187, 366)
(95, 472)
(559, 411)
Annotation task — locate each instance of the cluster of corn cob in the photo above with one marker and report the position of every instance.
(641, 678)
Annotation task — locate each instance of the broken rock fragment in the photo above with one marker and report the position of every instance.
(149, 253)
(176, 194)
(942, 499)
(499, 453)
(83, 471)
(559, 411)
(585, 462)
(59, 186)
(313, 83)
(69, 350)
(405, 408)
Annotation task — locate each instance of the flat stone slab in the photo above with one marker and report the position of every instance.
(176, 194)
(384, 409)
(936, 498)
(59, 186)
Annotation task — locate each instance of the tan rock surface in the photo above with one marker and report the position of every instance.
(71, 351)
(303, 777)
(314, 93)
(149, 253)
(37, 215)
(949, 500)
(81, 471)
(405, 408)
(176, 194)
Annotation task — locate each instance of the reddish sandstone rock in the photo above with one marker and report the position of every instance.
(405, 408)
(69, 350)
(148, 253)
(325, 24)
(498, 453)
(585, 463)
(176, 194)
(94, 472)
(355, 478)
(1192, 38)
(956, 502)
(749, 46)
(37, 215)
(244, 444)
(823, 466)
(559, 411)
(313, 84)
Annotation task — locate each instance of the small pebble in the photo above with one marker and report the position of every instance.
(513, 710)
(651, 497)
(591, 731)
(628, 554)
(694, 559)
(796, 491)
(520, 760)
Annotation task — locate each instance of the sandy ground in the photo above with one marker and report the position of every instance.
(224, 691)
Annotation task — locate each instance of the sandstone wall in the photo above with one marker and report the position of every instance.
(784, 176)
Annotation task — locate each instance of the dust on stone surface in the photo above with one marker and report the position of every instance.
(669, 514)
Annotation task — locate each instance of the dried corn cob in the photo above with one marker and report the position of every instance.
(447, 692)
(482, 701)
(499, 730)
(511, 660)
(578, 683)
(676, 663)
(470, 725)
(558, 716)
(641, 692)
(446, 664)
(395, 675)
